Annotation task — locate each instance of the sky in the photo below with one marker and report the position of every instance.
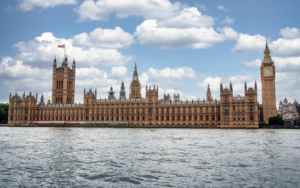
(181, 46)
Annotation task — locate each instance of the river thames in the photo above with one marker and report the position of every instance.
(113, 157)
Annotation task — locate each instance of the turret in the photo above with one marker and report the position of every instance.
(54, 62)
(208, 94)
(74, 64)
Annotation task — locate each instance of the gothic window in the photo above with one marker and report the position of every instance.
(156, 110)
(238, 117)
(178, 110)
(212, 109)
(162, 118)
(213, 118)
(251, 117)
(195, 109)
(150, 99)
(251, 109)
(162, 110)
(243, 108)
(190, 118)
(190, 110)
(184, 110)
(138, 118)
(207, 118)
(251, 98)
(167, 110)
(135, 90)
(206, 109)
(201, 109)
(173, 110)
(132, 110)
(178, 118)
(150, 110)
(226, 108)
(226, 118)
(225, 98)
(156, 118)
(167, 118)
(195, 118)
(233, 117)
(243, 117)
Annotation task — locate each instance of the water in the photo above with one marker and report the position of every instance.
(111, 157)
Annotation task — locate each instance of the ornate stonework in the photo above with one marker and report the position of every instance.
(288, 110)
(228, 112)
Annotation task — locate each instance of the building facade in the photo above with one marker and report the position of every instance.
(289, 111)
(228, 112)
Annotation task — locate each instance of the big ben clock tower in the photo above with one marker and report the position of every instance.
(267, 75)
(135, 87)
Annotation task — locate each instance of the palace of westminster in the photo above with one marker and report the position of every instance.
(228, 112)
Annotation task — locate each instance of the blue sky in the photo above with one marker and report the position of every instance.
(179, 45)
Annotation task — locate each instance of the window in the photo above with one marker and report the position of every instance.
(167, 118)
(243, 108)
(132, 118)
(251, 117)
(156, 118)
(143, 118)
(201, 109)
(162, 118)
(178, 118)
(226, 108)
(162, 110)
(195, 109)
(213, 118)
(178, 110)
(183, 118)
(190, 118)
(132, 110)
(233, 117)
(238, 117)
(156, 110)
(138, 118)
(167, 110)
(207, 118)
(226, 117)
(201, 118)
(173, 118)
(251, 108)
(190, 110)
(150, 110)
(243, 117)
(213, 109)
(173, 110)
(183, 110)
(206, 109)
(251, 98)
(219, 118)
(225, 98)
(195, 118)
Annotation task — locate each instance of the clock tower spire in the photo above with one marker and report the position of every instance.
(267, 75)
(135, 87)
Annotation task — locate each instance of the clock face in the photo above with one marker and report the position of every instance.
(268, 71)
(135, 77)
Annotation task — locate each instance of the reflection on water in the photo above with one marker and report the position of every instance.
(106, 157)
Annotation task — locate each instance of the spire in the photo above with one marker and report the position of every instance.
(74, 61)
(66, 59)
(135, 71)
(208, 89)
(122, 83)
(267, 48)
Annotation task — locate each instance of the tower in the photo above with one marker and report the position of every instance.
(135, 87)
(208, 94)
(122, 91)
(63, 83)
(111, 93)
(267, 75)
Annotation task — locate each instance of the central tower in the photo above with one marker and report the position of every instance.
(267, 75)
(63, 83)
(135, 87)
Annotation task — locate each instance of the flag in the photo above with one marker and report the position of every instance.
(61, 46)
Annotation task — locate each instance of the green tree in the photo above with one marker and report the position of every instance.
(3, 112)
(276, 120)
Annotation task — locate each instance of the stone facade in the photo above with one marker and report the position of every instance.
(228, 112)
(289, 111)
(267, 74)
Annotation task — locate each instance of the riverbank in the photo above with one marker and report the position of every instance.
(150, 126)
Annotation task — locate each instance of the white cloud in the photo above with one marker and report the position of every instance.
(118, 72)
(214, 83)
(285, 47)
(281, 64)
(104, 38)
(290, 33)
(221, 7)
(247, 43)
(188, 17)
(150, 34)
(101, 9)
(168, 73)
(227, 21)
(255, 63)
(43, 49)
(27, 5)
(288, 46)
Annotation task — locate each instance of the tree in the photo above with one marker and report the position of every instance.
(276, 120)
(3, 113)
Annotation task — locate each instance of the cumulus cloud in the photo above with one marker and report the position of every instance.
(101, 9)
(27, 5)
(104, 38)
(227, 21)
(188, 17)
(285, 47)
(290, 33)
(254, 63)
(281, 64)
(150, 34)
(247, 43)
(41, 50)
(221, 7)
(118, 72)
